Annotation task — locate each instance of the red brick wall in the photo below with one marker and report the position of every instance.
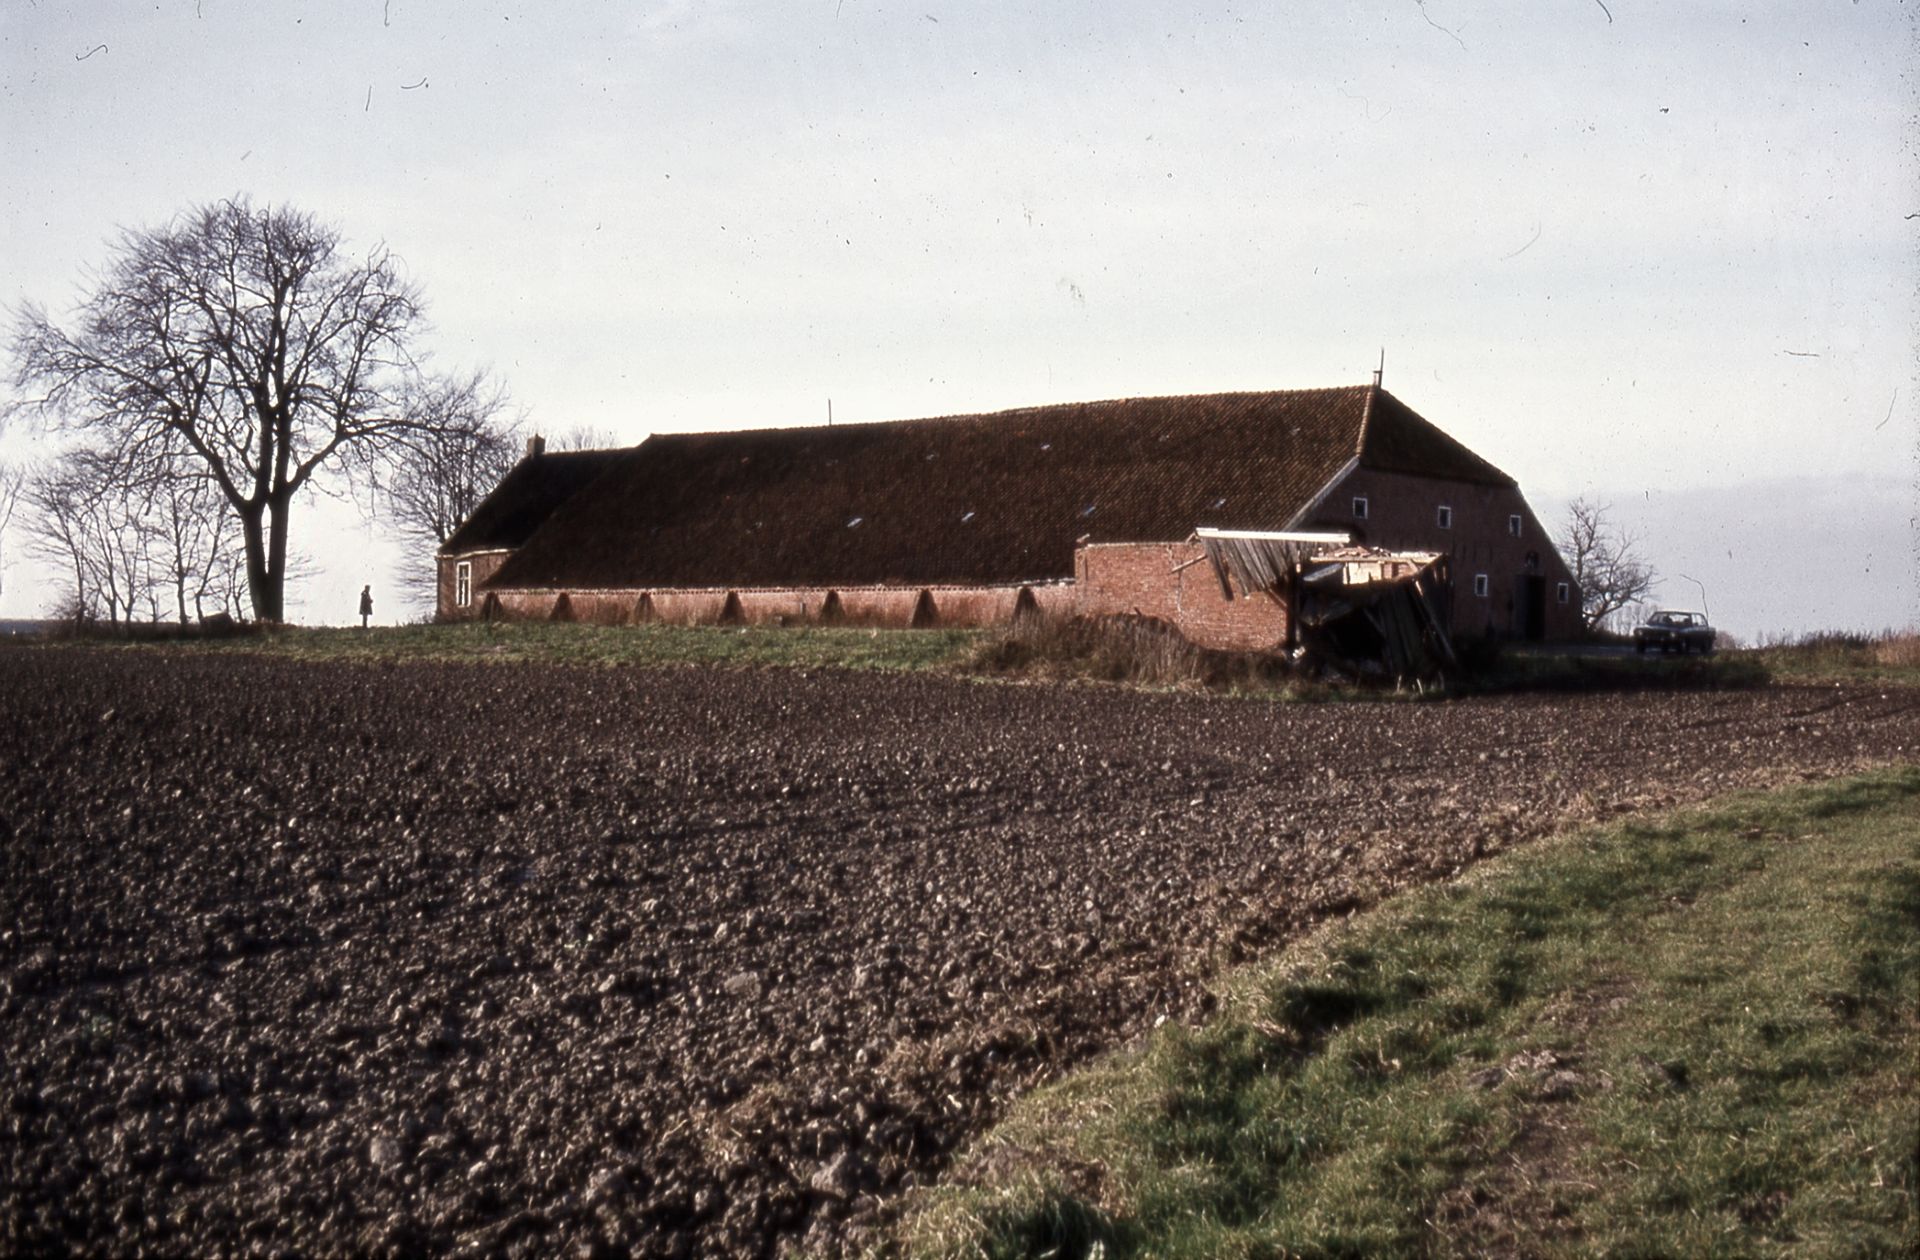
(1174, 582)
(887, 606)
(1402, 513)
(484, 563)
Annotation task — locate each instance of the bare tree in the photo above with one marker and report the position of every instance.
(464, 445)
(89, 522)
(246, 341)
(13, 480)
(134, 537)
(1606, 564)
(588, 437)
(195, 553)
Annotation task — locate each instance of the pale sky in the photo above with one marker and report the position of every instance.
(1654, 252)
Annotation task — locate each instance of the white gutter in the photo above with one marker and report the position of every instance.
(1331, 538)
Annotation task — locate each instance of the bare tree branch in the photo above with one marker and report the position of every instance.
(1606, 564)
(13, 480)
(587, 437)
(464, 442)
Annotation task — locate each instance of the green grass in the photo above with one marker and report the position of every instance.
(564, 643)
(1698, 1037)
(1102, 651)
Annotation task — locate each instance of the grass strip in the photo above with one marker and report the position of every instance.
(1696, 1036)
(561, 643)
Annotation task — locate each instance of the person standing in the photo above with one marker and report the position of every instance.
(366, 605)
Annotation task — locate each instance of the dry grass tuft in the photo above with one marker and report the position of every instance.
(1891, 654)
(1141, 650)
(1898, 651)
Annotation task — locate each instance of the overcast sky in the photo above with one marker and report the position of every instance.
(1634, 250)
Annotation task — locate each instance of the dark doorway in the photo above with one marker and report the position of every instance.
(1533, 607)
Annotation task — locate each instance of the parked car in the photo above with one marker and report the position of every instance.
(1674, 630)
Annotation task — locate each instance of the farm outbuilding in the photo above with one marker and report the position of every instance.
(1077, 509)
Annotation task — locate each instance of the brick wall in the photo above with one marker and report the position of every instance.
(484, 563)
(1174, 582)
(886, 606)
(1403, 512)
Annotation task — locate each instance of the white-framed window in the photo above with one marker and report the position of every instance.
(1563, 593)
(1359, 507)
(1513, 525)
(463, 584)
(1480, 585)
(1443, 516)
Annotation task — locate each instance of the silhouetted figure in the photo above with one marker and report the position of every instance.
(366, 605)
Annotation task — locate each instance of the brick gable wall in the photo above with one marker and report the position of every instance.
(1403, 514)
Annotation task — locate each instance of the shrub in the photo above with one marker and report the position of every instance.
(1130, 649)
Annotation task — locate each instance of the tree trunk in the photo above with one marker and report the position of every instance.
(278, 509)
(250, 529)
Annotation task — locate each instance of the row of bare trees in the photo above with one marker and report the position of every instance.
(136, 543)
(219, 367)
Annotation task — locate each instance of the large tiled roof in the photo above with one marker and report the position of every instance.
(967, 499)
(527, 496)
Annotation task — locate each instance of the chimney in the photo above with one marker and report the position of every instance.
(536, 446)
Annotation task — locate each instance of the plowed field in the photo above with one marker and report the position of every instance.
(532, 960)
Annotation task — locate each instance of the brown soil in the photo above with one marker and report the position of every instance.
(525, 960)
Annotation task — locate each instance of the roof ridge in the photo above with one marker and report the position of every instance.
(1027, 410)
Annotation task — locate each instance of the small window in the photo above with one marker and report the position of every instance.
(1563, 592)
(463, 584)
(1480, 586)
(1443, 516)
(1513, 525)
(1359, 507)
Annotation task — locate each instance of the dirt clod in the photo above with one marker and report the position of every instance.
(330, 959)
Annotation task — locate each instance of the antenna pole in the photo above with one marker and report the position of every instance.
(829, 413)
(1382, 369)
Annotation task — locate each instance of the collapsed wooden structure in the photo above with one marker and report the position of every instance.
(1353, 609)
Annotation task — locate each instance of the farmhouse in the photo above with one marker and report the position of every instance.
(1084, 508)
